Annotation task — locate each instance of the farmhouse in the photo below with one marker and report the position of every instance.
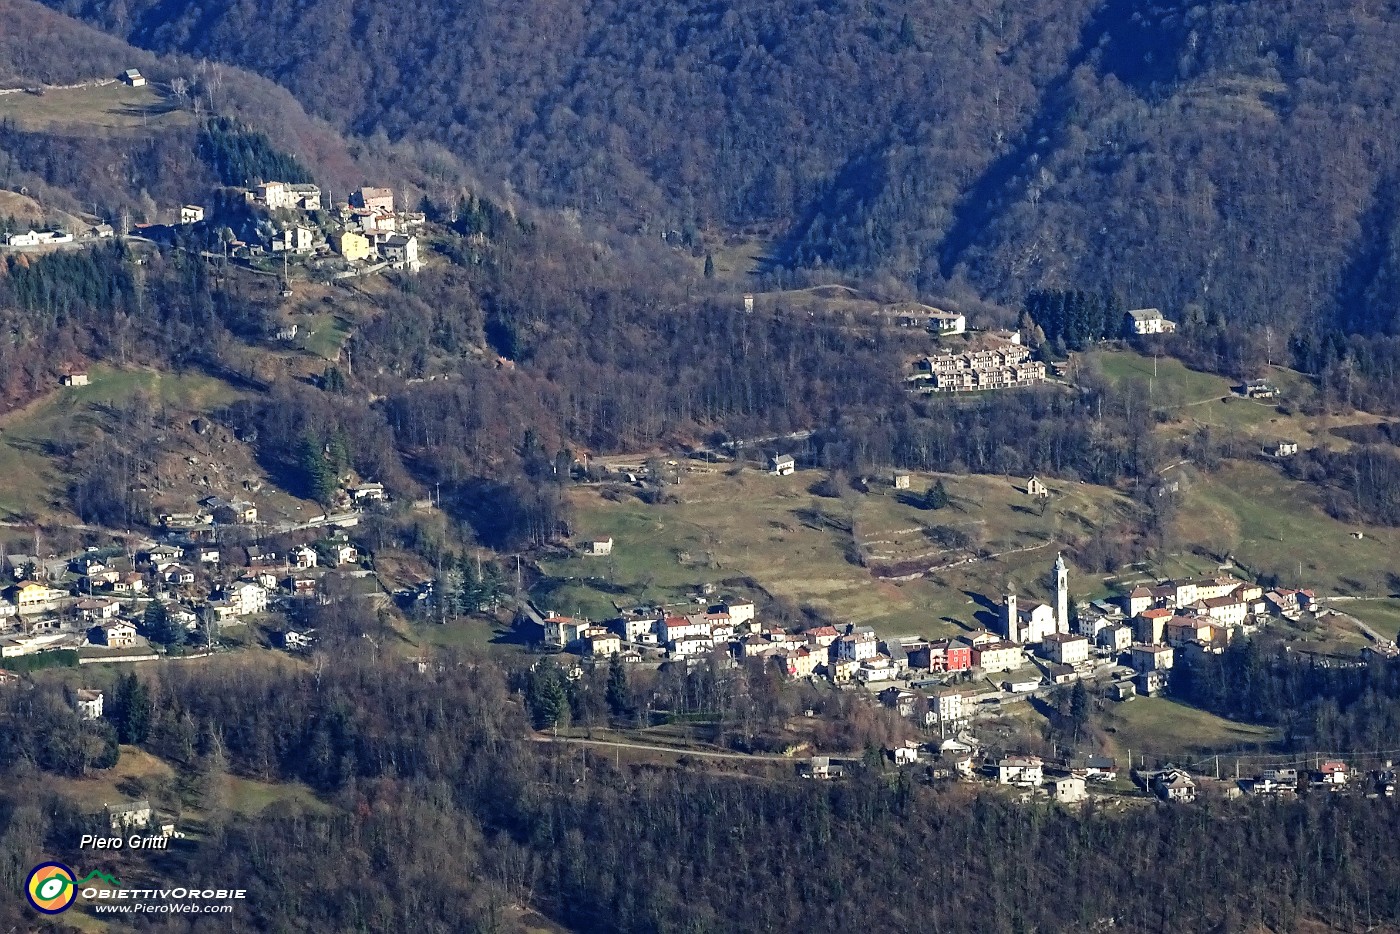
(133, 815)
(1146, 321)
(782, 465)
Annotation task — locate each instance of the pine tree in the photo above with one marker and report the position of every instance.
(546, 696)
(937, 496)
(709, 266)
(619, 696)
(319, 480)
(131, 710)
(160, 628)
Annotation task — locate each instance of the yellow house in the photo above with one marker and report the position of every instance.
(32, 596)
(354, 247)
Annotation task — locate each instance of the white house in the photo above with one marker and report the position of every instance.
(563, 630)
(89, 703)
(740, 611)
(782, 465)
(343, 553)
(248, 597)
(946, 708)
(117, 634)
(401, 252)
(1067, 790)
(1152, 657)
(1065, 649)
(303, 558)
(1142, 321)
(133, 77)
(1020, 770)
(675, 628)
(600, 547)
(191, 213)
(857, 646)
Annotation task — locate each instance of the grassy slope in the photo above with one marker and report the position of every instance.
(796, 545)
(112, 108)
(31, 480)
(1164, 727)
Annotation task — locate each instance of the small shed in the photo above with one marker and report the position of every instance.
(133, 77)
(901, 481)
(74, 379)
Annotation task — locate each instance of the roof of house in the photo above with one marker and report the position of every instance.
(999, 647)
(1227, 600)
(1061, 638)
(1020, 762)
(1152, 649)
(1145, 314)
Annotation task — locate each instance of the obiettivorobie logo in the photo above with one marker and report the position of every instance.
(52, 887)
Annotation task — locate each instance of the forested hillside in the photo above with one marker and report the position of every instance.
(1130, 145)
(429, 785)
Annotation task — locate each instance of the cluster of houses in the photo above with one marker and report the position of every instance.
(1162, 622)
(367, 229)
(986, 361)
(98, 600)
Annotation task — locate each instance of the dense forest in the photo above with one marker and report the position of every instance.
(441, 818)
(1057, 143)
(1319, 706)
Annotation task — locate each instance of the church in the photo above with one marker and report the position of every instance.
(1033, 621)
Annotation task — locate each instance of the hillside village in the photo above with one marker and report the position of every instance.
(1118, 648)
(362, 235)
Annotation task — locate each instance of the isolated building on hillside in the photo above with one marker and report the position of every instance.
(88, 703)
(1143, 321)
(134, 78)
(134, 815)
(782, 465)
(191, 213)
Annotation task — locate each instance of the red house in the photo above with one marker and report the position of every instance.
(951, 656)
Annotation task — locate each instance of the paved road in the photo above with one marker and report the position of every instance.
(671, 749)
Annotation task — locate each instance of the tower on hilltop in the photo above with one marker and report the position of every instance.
(1061, 594)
